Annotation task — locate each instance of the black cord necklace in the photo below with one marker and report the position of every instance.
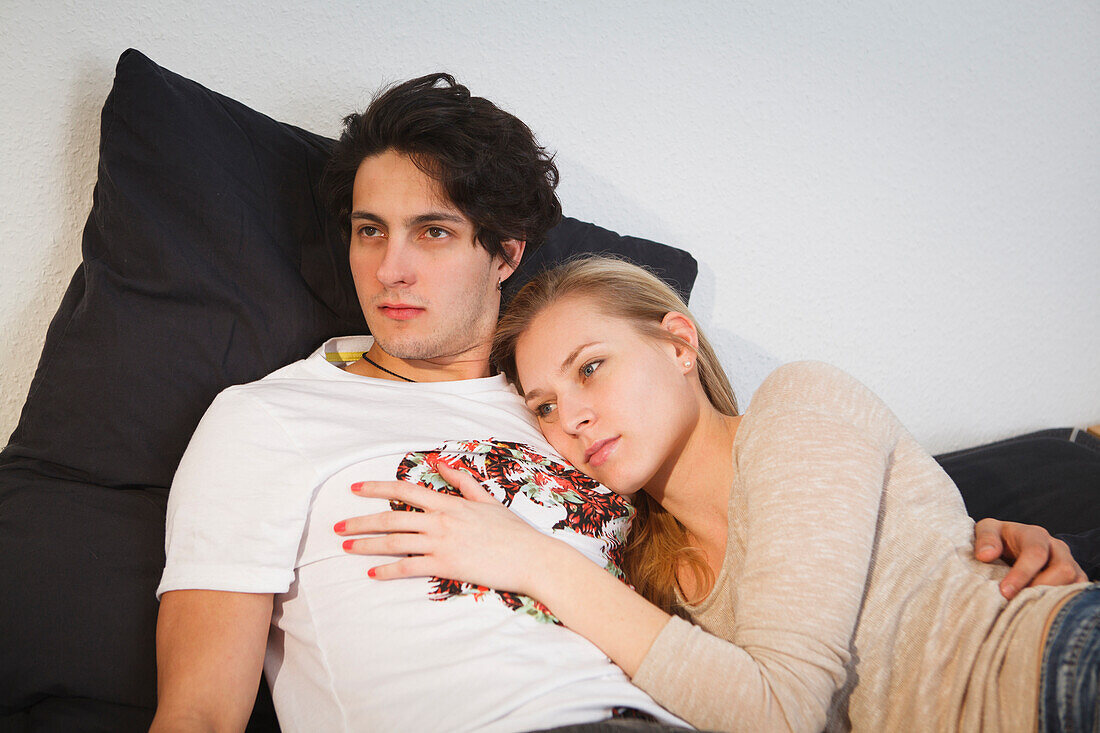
(378, 366)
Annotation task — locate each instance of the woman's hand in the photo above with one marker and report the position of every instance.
(476, 539)
(473, 538)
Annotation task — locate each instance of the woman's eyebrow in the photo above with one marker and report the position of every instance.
(573, 355)
(561, 369)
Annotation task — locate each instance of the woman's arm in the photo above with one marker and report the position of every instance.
(810, 535)
(809, 487)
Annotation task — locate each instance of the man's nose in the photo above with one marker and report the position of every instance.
(398, 266)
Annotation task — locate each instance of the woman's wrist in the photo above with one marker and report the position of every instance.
(556, 568)
(537, 559)
(592, 602)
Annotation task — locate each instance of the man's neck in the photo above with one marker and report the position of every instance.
(471, 364)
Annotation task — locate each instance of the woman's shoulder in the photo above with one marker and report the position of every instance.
(808, 384)
(819, 389)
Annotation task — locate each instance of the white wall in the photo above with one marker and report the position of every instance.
(908, 190)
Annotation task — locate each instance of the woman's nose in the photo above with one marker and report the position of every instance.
(575, 418)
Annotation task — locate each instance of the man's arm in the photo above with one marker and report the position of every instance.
(210, 651)
(1085, 547)
(1036, 557)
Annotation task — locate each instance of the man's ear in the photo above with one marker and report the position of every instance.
(679, 325)
(513, 251)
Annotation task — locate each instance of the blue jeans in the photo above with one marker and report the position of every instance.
(1069, 686)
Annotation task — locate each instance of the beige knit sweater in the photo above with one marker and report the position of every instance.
(849, 597)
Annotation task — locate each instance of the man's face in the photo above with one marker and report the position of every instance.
(427, 289)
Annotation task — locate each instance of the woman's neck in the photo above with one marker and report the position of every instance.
(695, 487)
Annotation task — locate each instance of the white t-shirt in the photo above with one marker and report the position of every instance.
(252, 506)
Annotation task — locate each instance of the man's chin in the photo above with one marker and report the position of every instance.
(408, 349)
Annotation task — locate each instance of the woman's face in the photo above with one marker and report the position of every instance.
(615, 403)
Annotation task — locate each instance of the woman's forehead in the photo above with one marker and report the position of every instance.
(562, 319)
(566, 323)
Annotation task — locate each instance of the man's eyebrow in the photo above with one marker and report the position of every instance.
(561, 369)
(431, 216)
(419, 220)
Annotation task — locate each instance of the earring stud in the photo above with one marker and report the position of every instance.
(687, 364)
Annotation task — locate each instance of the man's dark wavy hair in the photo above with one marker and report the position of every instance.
(487, 161)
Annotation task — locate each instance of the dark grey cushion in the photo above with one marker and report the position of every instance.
(1050, 478)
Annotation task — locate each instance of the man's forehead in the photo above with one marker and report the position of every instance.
(391, 186)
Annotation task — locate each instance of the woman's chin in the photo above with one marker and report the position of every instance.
(627, 491)
(624, 487)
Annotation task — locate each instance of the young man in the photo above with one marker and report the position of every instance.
(441, 193)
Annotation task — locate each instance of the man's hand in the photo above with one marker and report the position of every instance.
(1038, 558)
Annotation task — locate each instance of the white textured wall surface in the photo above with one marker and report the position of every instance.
(908, 190)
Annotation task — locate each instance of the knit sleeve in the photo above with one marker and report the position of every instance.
(811, 464)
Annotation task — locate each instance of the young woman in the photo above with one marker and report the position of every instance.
(822, 557)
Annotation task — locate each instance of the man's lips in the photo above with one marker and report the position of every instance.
(600, 451)
(400, 311)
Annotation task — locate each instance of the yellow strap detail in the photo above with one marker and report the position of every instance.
(343, 356)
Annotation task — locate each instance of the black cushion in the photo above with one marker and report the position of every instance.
(1050, 478)
(572, 238)
(207, 261)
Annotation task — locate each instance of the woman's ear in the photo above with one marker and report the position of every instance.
(513, 253)
(679, 325)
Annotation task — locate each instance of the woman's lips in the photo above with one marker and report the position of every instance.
(600, 451)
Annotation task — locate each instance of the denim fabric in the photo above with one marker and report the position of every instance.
(1069, 689)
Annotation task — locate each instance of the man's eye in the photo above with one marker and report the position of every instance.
(544, 409)
(436, 232)
(590, 368)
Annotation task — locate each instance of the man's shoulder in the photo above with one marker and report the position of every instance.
(318, 368)
(281, 378)
(251, 396)
(298, 388)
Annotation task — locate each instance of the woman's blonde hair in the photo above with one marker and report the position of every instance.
(658, 544)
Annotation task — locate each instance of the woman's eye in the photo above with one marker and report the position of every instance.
(590, 368)
(368, 231)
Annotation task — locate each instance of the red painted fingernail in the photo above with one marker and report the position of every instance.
(348, 544)
(357, 486)
(339, 527)
(371, 572)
